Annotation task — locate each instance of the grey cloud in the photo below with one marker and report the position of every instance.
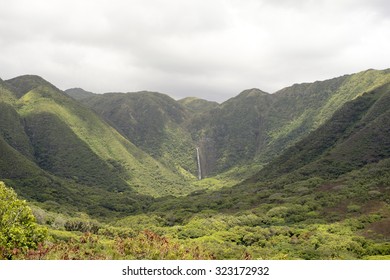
(211, 49)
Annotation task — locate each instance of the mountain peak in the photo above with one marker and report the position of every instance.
(248, 93)
(23, 84)
(28, 78)
(252, 93)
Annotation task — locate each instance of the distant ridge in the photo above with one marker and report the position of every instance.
(79, 93)
(198, 105)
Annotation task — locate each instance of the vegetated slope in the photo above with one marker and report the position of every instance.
(256, 126)
(154, 123)
(357, 134)
(198, 105)
(49, 136)
(16, 152)
(232, 133)
(247, 130)
(325, 196)
(321, 213)
(302, 108)
(356, 137)
(79, 93)
(52, 134)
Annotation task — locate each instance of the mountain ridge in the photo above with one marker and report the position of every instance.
(72, 145)
(300, 174)
(148, 140)
(79, 93)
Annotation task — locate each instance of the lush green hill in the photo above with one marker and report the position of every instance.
(303, 108)
(154, 123)
(247, 130)
(16, 158)
(334, 183)
(51, 145)
(255, 126)
(319, 155)
(356, 135)
(147, 141)
(352, 146)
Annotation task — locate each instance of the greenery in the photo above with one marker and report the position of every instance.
(197, 105)
(300, 174)
(18, 229)
(153, 122)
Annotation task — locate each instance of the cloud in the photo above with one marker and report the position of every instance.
(211, 49)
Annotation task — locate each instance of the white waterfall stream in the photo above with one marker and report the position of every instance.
(199, 168)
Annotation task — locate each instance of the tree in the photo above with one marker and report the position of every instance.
(19, 231)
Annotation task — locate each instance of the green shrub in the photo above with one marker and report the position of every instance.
(19, 231)
(82, 225)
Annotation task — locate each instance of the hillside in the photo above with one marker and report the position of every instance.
(310, 165)
(197, 105)
(255, 126)
(356, 135)
(247, 130)
(355, 140)
(78, 93)
(154, 123)
(119, 144)
(50, 136)
(334, 183)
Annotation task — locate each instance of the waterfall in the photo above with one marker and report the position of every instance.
(199, 168)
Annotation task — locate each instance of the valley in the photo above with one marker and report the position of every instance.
(302, 173)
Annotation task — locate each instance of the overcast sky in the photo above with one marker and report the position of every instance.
(212, 49)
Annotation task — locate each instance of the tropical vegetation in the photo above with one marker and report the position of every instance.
(303, 173)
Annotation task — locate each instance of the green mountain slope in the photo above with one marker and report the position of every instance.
(12, 130)
(356, 135)
(145, 142)
(303, 108)
(255, 126)
(318, 156)
(14, 165)
(231, 134)
(247, 130)
(338, 171)
(154, 123)
(197, 105)
(79, 93)
(46, 136)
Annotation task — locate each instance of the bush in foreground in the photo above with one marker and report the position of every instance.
(19, 231)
